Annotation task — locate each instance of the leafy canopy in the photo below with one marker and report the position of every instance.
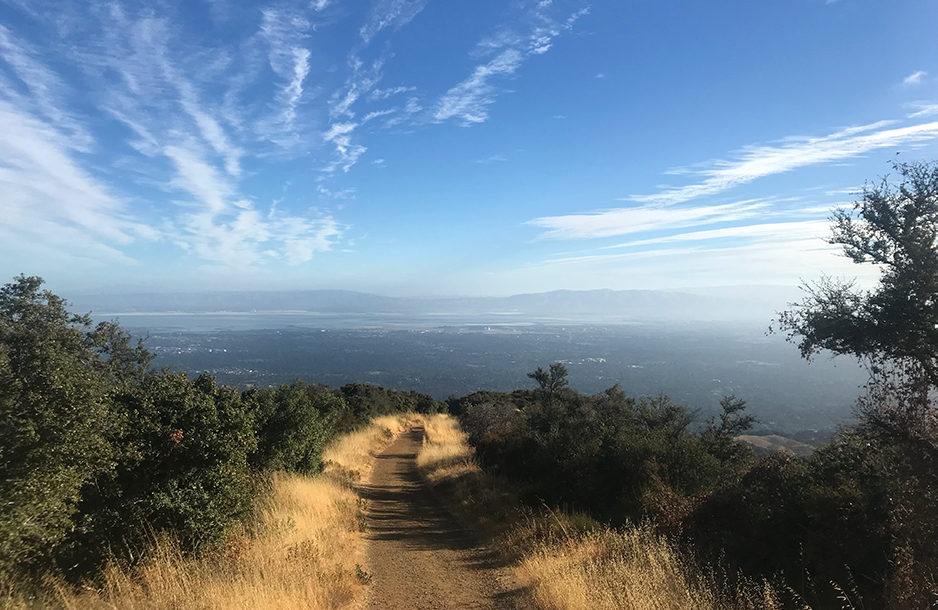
(893, 226)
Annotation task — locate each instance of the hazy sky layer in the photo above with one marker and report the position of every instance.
(425, 147)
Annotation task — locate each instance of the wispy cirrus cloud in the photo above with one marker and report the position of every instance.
(744, 254)
(669, 209)
(166, 93)
(923, 109)
(468, 102)
(285, 33)
(46, 91)
(383, 94)
(390, 14)
(758, 161)
(347, 152)
(212, 132)
(362, 79)
(184, 121)
(50, 201)
(774, 232)
(52, 206)
(228, 230)
(714, 262)
(623, 221)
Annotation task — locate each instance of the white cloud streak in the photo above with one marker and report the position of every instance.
(347, 152)
(294, 91)
(49, 199)
(701, 264)
(755, 162)
(775, 232)
(623, 221)
(211, 131)
(493, 159)
(285, 34)
(924, 110)
(390, 14)
(914, 79)
(47, 92)
(468, 102)
(383, 94)
(199, 178)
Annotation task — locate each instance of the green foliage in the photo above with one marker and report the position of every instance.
(720, 440)
(181, 468)
(817, 519)
(118, 360)
(611, 455)
(366, 401)
(293, 424)
(54, 418)
(551, 381)
(829, 517)
(458, 405)
(894, 227)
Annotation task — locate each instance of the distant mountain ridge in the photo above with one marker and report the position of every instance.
(638, 304)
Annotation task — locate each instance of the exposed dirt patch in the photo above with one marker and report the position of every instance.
(418, 556)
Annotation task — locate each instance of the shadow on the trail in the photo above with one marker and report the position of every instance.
(406, 510)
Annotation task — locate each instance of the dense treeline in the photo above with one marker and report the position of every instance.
(99, 454)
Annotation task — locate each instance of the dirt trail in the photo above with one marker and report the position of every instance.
(418, 556)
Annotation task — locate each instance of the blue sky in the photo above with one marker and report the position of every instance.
(429, 147)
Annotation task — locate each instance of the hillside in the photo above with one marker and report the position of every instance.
(597, 304)
(769, 444)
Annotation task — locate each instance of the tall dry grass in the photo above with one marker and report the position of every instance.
(301, 552)
(568, 561)
(632, 569)
(302, 556)
(446, 453)
(351, 457)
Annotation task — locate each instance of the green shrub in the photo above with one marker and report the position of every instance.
(366, 401)
(181, 468)
(293, 423)
(611, 455)
(54, 418)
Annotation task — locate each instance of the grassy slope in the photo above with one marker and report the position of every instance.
(569, 562)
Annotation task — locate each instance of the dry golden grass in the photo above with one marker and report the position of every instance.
(631, 569)
(303, 552)
(447, 463)
(445, 453)
(351, 456)
(567, 561)
(302, 556)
